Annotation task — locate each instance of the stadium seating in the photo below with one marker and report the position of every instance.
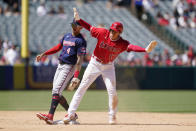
(185, 35)
(45, 31)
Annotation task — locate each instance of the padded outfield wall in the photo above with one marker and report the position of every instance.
(41, 77)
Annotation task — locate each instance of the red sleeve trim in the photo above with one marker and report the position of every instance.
(54, 49)
(76, 74)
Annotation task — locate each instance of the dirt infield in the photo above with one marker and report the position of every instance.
(98, 121)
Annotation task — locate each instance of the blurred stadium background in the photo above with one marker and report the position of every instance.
(170, 66)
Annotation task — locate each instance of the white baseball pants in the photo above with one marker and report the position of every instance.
(93, 70)
(64, 73)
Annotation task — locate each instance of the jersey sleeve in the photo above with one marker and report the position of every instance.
(135, 48)
(96, 32)
(54, 49)
(81, 47)
(84, 24)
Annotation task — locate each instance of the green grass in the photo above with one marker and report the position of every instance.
(129, 100)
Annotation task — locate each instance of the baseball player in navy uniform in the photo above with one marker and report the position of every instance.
(73, 47)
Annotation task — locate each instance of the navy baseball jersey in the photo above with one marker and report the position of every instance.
(72, 46)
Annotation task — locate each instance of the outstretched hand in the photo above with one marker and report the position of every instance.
(151, 46)
(39, 57)
(76, 15)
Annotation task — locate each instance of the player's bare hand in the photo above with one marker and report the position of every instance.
(151, 46)
(76, 15)
(74, 83)
(39, 57)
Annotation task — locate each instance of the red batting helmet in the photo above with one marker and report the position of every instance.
(117, 26)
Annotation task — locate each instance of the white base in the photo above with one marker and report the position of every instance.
(59, 122)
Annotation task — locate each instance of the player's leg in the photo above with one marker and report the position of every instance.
(49, 117)
(63, 102)
(62, 76)
(90, 74)
(109, 78)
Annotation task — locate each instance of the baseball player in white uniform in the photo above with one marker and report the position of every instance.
(109, 45)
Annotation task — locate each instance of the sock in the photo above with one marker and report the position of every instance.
(64, 103)
(50, 116)
(54, 103)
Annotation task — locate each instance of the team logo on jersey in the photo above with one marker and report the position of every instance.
(110, 48)
(68, 43)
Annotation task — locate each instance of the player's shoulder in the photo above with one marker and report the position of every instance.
(81, 40)
(100, 29)
(66, 35)
(124, 41)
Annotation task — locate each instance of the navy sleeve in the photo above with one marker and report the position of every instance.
(81, 47)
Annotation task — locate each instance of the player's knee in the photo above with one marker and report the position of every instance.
(56, 92)
(112, 92)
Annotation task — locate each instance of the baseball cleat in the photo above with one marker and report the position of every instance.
(112, 119)
(47, 118)
(68, 118)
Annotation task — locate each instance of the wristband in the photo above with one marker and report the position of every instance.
(76, 74)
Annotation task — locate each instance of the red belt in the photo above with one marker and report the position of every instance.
(100, 61)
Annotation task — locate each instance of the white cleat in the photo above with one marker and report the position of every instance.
(112, 119)
(68, 119)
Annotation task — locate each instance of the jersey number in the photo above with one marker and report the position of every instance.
(68, 50)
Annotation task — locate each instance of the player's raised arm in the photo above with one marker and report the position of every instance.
(49, 52)
(83, 23)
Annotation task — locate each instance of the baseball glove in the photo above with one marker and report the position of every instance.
(73, 84)
(151, 46)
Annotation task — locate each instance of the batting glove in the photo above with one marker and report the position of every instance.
(76, 15)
